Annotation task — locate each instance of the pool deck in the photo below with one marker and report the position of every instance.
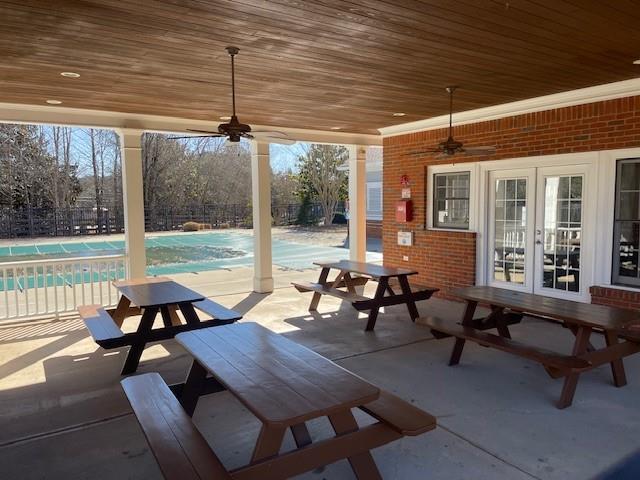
(64, 416)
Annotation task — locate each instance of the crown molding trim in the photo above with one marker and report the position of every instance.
(608, 91)
(78, 117)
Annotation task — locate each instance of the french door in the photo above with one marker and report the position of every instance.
(539, 239)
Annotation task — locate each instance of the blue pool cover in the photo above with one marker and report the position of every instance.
(182, 253)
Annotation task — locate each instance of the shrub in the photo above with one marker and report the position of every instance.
(190, 227)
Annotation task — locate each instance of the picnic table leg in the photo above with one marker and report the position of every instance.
(189, 313)
(571, 381)
(362, 464)
(192, 387)
(137, 347)
(268, 443)
(373, 313)
(406, 289)
(501, 325)
(120, 313)
(315, 300)
(301, 435)
(467, 319)
(166, 316)
(173, 313)
(617, 367)
(348, 282)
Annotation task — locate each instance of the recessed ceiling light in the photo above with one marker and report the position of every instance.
(225, 118)
(70, 74)
(54, 102)
(336, 128)
(636, 62)
(399, 114)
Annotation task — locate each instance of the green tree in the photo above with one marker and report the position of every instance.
(321, 177)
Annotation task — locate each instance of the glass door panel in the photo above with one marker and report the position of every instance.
(510, 228)
(510, 219)
(562, 232)
(563, 256)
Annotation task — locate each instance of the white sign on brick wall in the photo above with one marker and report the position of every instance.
(405, 239)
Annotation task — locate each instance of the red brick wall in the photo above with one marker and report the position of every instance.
(615, 297)
(447, 259)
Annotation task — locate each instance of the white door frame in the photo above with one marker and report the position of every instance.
(591, 186)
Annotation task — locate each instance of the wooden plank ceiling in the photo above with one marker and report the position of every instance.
(311, 63)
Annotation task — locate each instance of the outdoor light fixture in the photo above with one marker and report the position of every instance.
(336, 128)
(399, 114)
(70, 74)
(54, 102)
(636, 62)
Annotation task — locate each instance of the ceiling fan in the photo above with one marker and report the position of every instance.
(450, 146)
(234, 130)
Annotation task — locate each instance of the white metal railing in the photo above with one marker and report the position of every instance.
(51, 287)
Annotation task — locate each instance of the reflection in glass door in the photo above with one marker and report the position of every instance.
(562, 234)
(510, 230)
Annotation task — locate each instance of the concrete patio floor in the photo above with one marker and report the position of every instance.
(64, 416)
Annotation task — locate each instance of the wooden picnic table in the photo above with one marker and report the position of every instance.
(285, 385)
(148, 297)
(508, 308)
(384, 295)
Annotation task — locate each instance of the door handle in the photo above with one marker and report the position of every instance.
(538, 242)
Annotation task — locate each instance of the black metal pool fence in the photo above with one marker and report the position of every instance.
(53, 222)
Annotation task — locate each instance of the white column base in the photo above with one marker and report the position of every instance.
(263, 285)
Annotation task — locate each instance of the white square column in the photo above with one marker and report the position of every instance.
(133, 201)
(357, 203)
(261, 195)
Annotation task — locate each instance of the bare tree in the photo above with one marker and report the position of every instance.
(321, 177)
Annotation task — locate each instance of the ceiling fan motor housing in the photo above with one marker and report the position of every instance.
(450, 146)
(234, 129)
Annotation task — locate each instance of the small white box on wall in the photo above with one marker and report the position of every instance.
(405, 239)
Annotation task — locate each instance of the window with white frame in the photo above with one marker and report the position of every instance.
(451, 192)
(374, 200)
(626, 228)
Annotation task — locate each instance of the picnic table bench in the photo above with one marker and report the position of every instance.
(148, 297)
(508, 308)
(284, 385)
(383, 297)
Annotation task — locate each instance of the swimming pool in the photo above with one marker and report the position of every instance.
(187, 252)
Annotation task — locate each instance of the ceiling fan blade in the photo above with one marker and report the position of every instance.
(212, 132)
(264, 133)
(195, 136)
(269, 138)
(425, 152)
(480, 150)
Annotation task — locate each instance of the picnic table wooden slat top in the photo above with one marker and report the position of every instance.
(370, 269)
(587, 314)
(279, 381)
(157, 293)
